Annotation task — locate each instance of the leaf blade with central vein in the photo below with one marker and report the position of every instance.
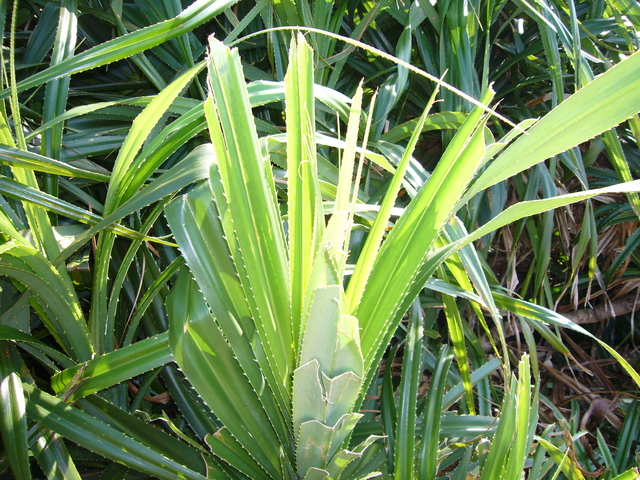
(305, 202)
(209, 363)
(196, 14)
(252, 205)
(391, 282)
(115, 367)
(612, 98)
(86, 431)
(196, 225)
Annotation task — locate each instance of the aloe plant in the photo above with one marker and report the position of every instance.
(270, 339)
(300, 351)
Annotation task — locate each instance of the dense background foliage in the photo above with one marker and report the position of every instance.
(114, 121)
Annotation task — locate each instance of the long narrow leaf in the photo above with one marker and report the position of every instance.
(392, 278)
(197, 228)
(143, 432)
(428, 455)
(56, 93)
(250, 193)
(102, 439)
(140, 130)
(526, 414)
(54, 293)
(305, 202)
(536, 312)
(114, 367)
(29, 195)
(192, 168)
(54, 458)
(370, 250)
(456, 334)
(196, 14)
(13, 421)
(409, 384)
(32, 161)
(611, 98)
(9, 333)
(204, 355)
(496, 460)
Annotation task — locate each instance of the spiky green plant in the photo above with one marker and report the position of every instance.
(281, 305)
(284, 311)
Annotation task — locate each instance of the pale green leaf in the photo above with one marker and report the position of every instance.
(250, 194)
(612, 98)
(205, 357)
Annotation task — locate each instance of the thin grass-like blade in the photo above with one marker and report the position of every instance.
(567, 464)
(336, 235)
(526, 419)
(536, 312)
(405, 439)
(43, 36)
(496, 460)
(196, 14)
(630, 431)
(124, 171)
(630, 9)
(39, 221)
(28, 195)
(32, 161)
(154, 290)
(138, 134)
(456, 334)
(260, 93)
(100, 321)
(18, 337)
(389, 414)
(9, 229)
(632, 474)
(13, 421)
(428, 454)
(474, 275)
(512, 214)
(143, 432)
(141, 61)
(631, 244)
(125, 262)
(57, 91)
(435, 121)
(191, 169)
(370, 250)
(467, 269)
(456, 392)
(607, 456)
(392, 279)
